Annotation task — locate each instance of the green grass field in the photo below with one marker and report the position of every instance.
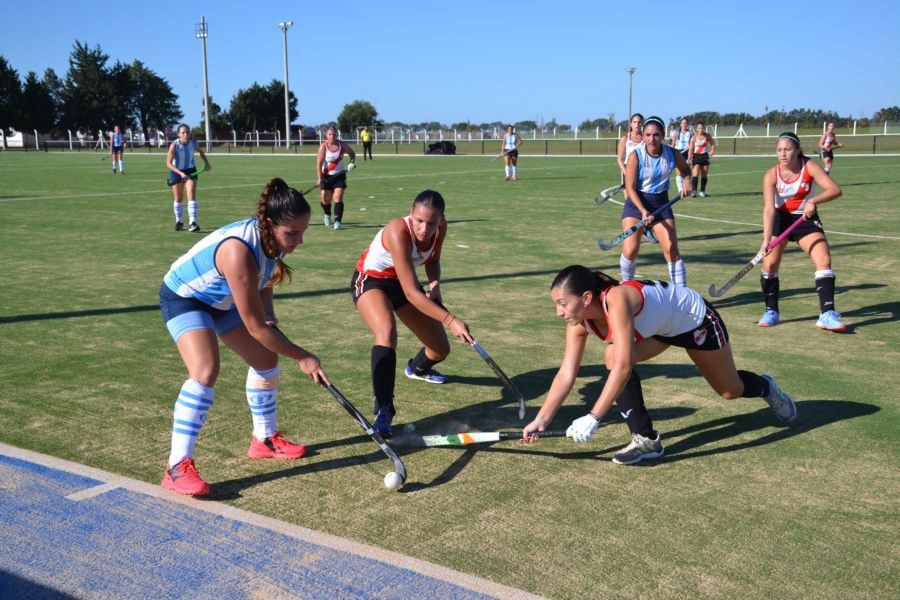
(739, 507)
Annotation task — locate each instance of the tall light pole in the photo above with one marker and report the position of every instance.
(287, 110)
(201, 32)
(630, 71)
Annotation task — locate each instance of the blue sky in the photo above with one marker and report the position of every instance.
(491, 60)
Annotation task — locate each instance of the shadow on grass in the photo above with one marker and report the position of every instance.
(755, 297)
(16, 586)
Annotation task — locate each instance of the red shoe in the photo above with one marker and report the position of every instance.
(275, 446)
(183, 478)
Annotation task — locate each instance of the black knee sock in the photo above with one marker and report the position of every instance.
(326, 208)
(421, 364)
(825, 289)
(338, 210)
(634, 411)
(694, 183)
(703, 184)
(384, 371)
(754, 385)
(770, 289)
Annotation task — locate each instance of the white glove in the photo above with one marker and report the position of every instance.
(351, 166)
(582, 428)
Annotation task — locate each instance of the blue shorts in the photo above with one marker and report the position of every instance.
(651, 203)
(118, 149)
(186, 314)
(175, 178)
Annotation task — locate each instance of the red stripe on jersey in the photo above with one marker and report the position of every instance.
(632, 284)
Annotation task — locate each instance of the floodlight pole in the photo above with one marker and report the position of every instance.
(630, 71)
(201, 32)
(287, 110)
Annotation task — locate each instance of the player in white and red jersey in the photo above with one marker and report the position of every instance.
(789, 192)
(331, 175)
(639, 320)
(385, 283)
(700, 150)
(630, 142)
(826, 143)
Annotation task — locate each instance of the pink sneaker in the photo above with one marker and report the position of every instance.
(183, 478)
(275, 446)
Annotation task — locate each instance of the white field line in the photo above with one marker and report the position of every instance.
(92, 492)
(464, 580)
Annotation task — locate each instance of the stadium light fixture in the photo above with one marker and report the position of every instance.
(284, 26)
(202, 31)
(630, 71)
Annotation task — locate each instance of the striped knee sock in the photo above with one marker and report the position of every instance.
(262, 395)
(179, 211)
(507, 170)
(192, 210)
(627, 267)
(191, 409)
(677, 273)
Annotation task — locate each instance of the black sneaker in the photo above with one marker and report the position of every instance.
(179, 225)
(193, 227)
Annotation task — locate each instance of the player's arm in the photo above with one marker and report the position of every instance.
(433, 272)
(320, 162)
(828, 188)
(202, 154)
(266, 296)
(768, 208)
(235, 261)
(622, 303)
(349, 150)
(822, 142)
(576, 337)
(836, 143)
(170, 161)
(712, 145)
(684, 169)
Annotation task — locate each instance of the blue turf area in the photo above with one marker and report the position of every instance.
(124, 544)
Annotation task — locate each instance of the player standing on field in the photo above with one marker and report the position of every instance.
(331, 175)
(629, 142)
(180, 161)
(647, 176)
(681, 141)
(826, 143)
(385, 283)
(116, 148)
(701, 151)
(510, 149)
(789, 194)
(223, 286)
(639, 320)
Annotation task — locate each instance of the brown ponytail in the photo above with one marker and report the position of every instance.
(277, 204)
(576, 279)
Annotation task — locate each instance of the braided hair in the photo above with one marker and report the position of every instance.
(277, 205)
(576, 280)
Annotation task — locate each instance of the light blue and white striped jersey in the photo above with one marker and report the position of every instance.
(683, 139)
(654, 171)
(118, 139)
(195, 275)
(184, 154)
(510, 140)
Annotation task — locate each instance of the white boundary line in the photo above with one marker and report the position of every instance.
(447, 575)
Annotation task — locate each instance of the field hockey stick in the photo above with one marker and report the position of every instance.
(501, 155)
(324, 179)
(503, 378)
(481, 437)
(718, 293)
(636, 227)
(399, 467)
(607, 194)
(191, 176)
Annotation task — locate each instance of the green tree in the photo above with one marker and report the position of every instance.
(152, 103)
(38, 108)
(218, 120)
(889, 113)
(356, 114)
(120, 110)
(88, 91)
(10, 96)
(259, 107)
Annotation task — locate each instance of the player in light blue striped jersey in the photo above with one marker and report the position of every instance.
(180, 162)
(223, 286)
(647, 189)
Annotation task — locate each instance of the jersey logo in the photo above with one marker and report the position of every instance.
(699, 336)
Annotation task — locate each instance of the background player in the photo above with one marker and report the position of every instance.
(701, 151)
(331, 175)
(510, 150)
(180, 161)
(681, 141)
(116, 148)
(826, 143)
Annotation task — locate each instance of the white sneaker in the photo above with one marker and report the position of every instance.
(327, 220)
(640, 448)
(337, 225)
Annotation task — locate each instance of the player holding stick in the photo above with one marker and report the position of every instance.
(510, 152)
(116, 148)
(826, 143)
(180, 162)
(701, 151)
(681, 141)
(331, 175)
(789, 194)
(385, 283)
(639, 320)
(223, 286)
(647, 176)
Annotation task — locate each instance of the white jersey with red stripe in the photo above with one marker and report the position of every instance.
(631, 146)
(701, 144)
(666, 310)
(334, 161)
(829, 141)
(791, 196)
(376, 260)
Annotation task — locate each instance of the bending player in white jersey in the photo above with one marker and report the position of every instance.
(223, 286)
(385, 283)
(827, 142)
(647, 176)
(510, 150)
(639, 320)
(331, 175)
(180, 162)
(789, 194)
